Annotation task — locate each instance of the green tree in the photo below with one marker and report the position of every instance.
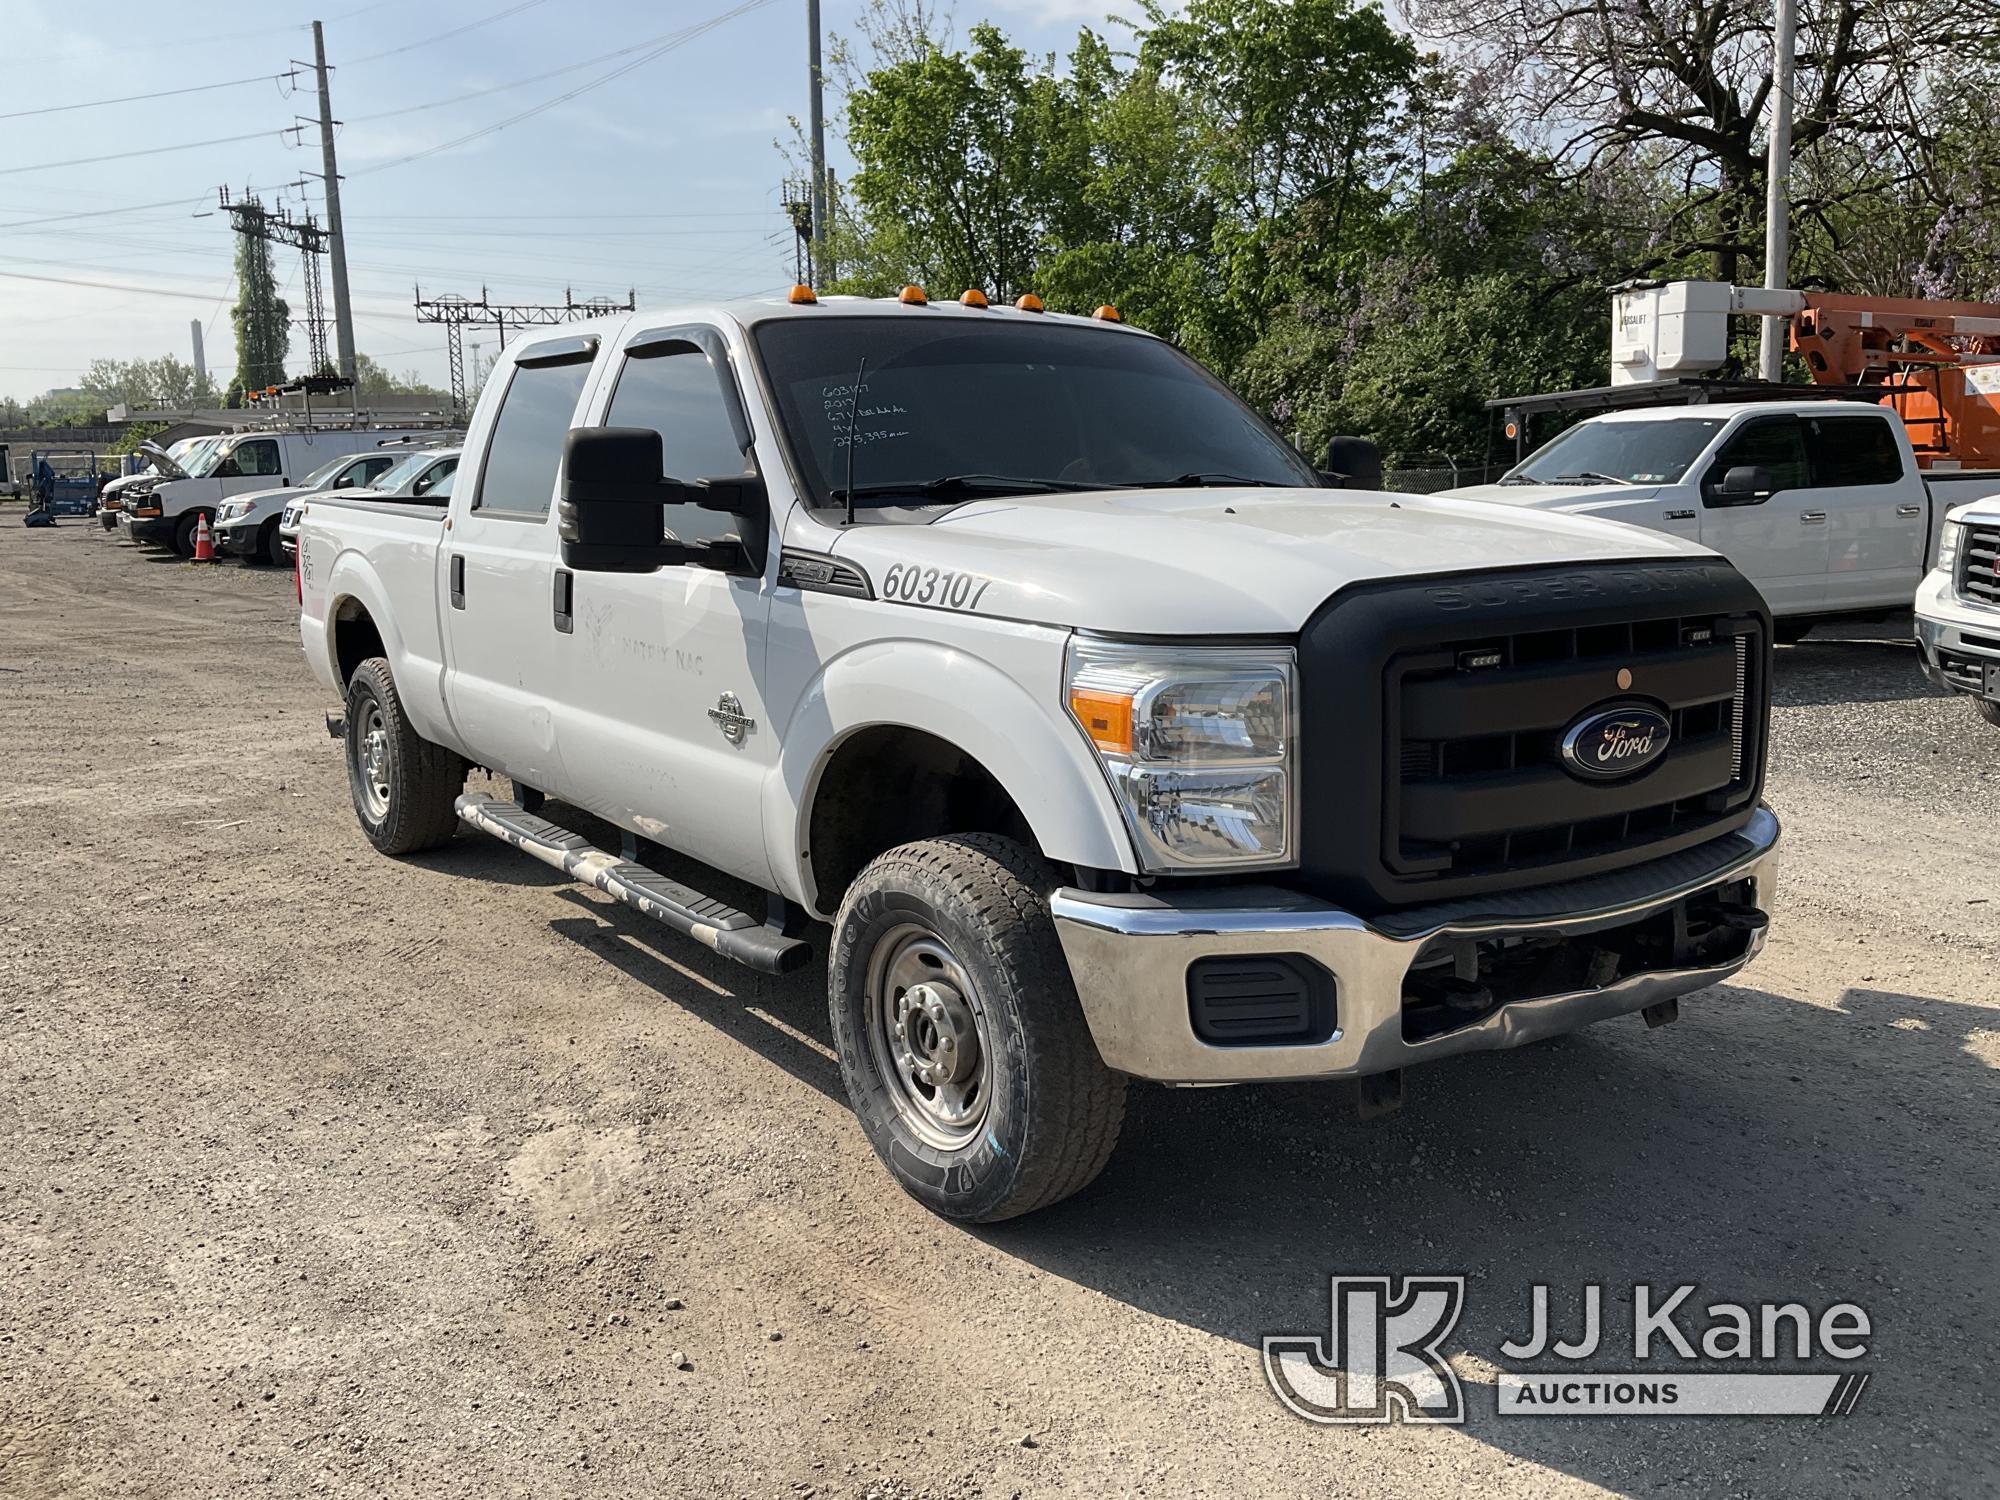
(372, 380)
(261, 318)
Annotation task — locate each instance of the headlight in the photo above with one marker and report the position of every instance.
(1950, 537)
(1198, 744)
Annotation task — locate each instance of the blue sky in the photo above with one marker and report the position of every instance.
(665, 179)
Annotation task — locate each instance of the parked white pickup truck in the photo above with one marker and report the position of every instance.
(1819, 503)
(1112, 742)
(1958, 608)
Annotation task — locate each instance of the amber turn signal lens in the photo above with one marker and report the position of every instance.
(803, 294)
(972, 297)
(1105, 717)
(914, 295)
(1028, 302)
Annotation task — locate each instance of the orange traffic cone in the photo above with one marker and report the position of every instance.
(204, 544)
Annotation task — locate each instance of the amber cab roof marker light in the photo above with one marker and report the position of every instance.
(913, 295)
(1107, 314)
(1028, 302)
(803, 296)
(972, 297)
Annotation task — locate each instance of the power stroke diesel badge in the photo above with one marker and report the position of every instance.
(1613, 743)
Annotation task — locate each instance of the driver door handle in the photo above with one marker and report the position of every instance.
(1812, 518)
(1909, 510)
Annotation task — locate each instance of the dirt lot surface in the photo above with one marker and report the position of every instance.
(331, 1174)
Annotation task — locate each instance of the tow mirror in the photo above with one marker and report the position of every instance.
(610, 516)
(1352, 463)
(1745, 484)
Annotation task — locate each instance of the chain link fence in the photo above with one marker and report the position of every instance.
(1428, 481)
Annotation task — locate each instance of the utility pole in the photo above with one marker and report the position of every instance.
(816, 115)
(343, 309)
(1777, 201)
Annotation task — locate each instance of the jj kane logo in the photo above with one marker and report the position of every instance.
(1382, 1358)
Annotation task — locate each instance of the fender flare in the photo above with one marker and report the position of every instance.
(1041, 761)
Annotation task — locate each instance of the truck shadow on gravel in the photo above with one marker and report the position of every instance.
(1763, 1148)
(1851, 664)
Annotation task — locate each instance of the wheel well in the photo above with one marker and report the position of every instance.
(888, 785)
(355, 637)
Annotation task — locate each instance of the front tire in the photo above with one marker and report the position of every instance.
(1989, 710)
(271, 546)
(965, 1053)
(404, 787)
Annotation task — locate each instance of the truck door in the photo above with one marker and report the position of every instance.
(1778, 537)
(666, 729)
(1876, 510)
(253, 464)
(497, 563)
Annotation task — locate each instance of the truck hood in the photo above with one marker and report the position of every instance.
(162, 460)
(1556, 496)
(1213, 561)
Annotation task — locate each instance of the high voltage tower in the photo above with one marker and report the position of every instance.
(279, 226)
(456, 312)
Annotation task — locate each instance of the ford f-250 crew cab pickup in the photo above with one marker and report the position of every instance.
(1819, 503)
(1958, 608)
(1111, 741)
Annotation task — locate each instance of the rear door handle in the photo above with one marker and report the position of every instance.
(1909, 510)
(565, 601)
(1812, 518)
(457, 581)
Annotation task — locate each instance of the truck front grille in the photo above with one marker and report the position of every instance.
(1433, 711)
(1979, 565)
(1481, 787)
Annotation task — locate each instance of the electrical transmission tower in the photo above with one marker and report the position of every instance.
(457, 312)
(278, 226)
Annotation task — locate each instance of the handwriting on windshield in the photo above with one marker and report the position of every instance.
(874, 420)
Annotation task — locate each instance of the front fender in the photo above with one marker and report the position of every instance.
(1038, 757)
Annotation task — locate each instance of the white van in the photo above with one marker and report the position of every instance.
(169, 511)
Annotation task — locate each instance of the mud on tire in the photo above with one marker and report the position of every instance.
(945, 946)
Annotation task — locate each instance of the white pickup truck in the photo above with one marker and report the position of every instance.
(1958, 608)
(1819, 503)
(1112, 741)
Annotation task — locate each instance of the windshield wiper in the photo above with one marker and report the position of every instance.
(1588, 476)
(1203, 480)
(948, 486)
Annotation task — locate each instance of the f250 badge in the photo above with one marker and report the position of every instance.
(1611, 744)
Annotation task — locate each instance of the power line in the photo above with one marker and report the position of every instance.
(687, 35)
(84, 161)
(98, 213)
(447, 35)
(198, 88)
(109, 286)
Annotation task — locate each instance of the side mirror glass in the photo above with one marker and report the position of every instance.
(609, 516)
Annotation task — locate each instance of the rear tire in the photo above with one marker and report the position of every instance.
(965, 1053)
(1988, 710)
(404, 787)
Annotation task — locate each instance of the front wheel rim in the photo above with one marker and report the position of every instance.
(372, 762)
(928, 1033)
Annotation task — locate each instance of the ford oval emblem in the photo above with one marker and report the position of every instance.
(1612, 743)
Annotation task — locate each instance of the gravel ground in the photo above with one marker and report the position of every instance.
(332, 1174)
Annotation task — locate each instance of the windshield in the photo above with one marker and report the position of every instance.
(204, 456)
(1648, 452)
(953, 408)
(323, 475)
(403, 470)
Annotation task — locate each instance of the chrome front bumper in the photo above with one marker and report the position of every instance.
(1129, 956)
